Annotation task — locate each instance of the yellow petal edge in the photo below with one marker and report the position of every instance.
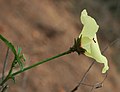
(89, 40)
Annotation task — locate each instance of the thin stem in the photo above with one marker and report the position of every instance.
(5, 64)
(4, 88)
(104, 78)
(87, 85)
(92, 89)
(9, 74)
(34, 65)
(83, 78)
(41, 62)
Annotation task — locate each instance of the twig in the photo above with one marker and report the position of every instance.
(111, 44)
(5, 64)
(98, 85)
(105, 77)
(83, 78)
(87, 85)
(4, 87)
(92, 89)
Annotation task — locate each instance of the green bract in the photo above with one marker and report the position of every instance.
(89, 40)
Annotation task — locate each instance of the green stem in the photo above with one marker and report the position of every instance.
(9, 74)
(40, 62)
(34, 65)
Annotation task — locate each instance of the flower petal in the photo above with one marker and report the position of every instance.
(96, 54)
(90, 26)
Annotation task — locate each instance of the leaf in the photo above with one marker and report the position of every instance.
(9, 44)
(13, 78)
(19, 50)
(20, 63)
(89, 40)
(22, 57)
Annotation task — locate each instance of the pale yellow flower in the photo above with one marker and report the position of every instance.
(89, 40)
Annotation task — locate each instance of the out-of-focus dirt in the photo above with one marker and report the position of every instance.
(44, 28)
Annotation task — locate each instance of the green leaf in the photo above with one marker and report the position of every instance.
(20, 63)
(22, 57)
(13, 78)
(9, 44)
(19, 50)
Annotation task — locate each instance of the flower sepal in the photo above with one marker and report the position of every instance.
(77, 46)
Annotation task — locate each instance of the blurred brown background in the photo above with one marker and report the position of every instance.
(44, 28)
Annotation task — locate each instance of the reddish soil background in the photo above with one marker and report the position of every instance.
(44, 28)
